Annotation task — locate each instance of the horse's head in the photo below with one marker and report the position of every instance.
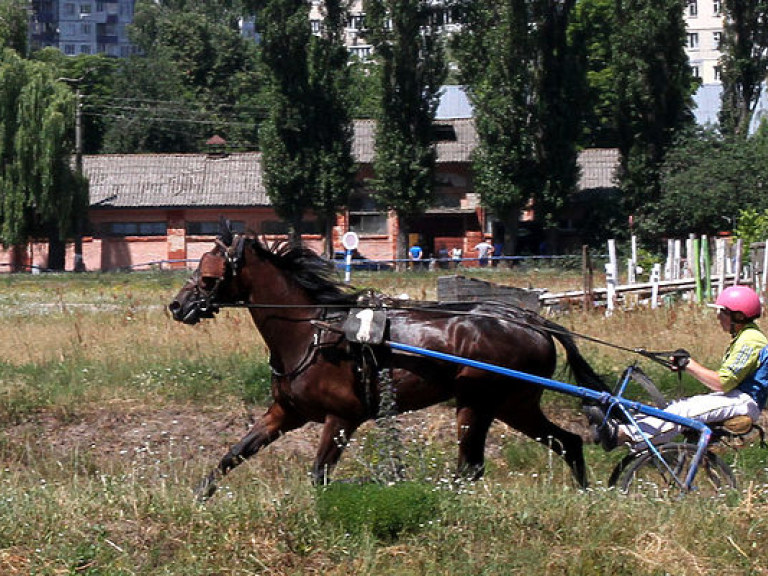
(212, 284)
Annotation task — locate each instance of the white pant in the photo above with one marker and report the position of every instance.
(714, 407)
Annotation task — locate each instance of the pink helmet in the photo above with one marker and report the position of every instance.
(740, 299)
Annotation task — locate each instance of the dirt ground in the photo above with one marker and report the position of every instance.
(192, 432)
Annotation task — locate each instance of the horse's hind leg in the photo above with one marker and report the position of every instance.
(274, 422)
(473, 425)
(531, 421)
(333, 440)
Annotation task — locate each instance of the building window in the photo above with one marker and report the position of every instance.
(693, 40)
(717, 37)
(367, 223)
(69, 9)
(85, 49)
(137, 228)
(717, 7)
(316, 26)
(356, 22)
(695, 71)
(85, 28)
(693, 8)
(212, 228)
(69, 49)
(718, 72)
(85, 9)
(360, 52)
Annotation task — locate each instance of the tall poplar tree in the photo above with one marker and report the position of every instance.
(744, 62)
(655, 87)
(560, 84)
(497, 56)
(306, 138)
(405, 37)
(40, 194)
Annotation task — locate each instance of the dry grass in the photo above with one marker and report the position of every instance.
(106, 490)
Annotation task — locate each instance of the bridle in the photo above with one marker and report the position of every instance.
(214, 268)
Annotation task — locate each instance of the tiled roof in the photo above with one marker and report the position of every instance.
(168, 180)
(458, 150)
(181, 180)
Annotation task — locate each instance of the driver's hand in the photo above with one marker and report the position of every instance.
(679, 360)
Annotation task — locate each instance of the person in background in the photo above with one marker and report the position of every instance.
(442, 257)
(416, 254)
(456, 256)
(484, 251)
(739, 387)
(498, 252)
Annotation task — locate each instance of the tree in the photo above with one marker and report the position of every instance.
(744, 62)
(404, 35)
(197, 77)
(40, 194)
(706, 180)
(306, 139)
(13, 25)
(655, 84)
(497, 58)
(590, 31)
(560, 84)
(331, 131)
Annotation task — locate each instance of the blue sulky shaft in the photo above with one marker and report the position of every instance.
(603, 398)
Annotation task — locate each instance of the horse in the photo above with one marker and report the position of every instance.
(295, 298)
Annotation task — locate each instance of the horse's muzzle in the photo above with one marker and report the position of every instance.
(192, 311)
(189, 314)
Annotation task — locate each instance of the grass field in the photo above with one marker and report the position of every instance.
(112, 412)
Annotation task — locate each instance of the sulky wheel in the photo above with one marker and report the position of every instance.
(644, 474)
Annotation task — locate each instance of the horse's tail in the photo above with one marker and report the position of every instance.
(584, 373)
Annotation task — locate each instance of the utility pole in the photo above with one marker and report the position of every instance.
(79, 265)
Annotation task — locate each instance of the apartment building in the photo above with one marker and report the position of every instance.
(82, 26)
(704, 22)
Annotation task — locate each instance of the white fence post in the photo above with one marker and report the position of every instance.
(655, 277)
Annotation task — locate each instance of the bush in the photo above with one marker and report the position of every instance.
(385, 510)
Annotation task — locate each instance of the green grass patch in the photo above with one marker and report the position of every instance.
(386, 510)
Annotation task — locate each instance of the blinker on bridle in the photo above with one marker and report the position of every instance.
(213, 267)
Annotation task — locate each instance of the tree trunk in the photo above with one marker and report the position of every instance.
(401, 250)
(511, 228)
(57, 250)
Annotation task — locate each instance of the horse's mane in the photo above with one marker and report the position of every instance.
(315, 274)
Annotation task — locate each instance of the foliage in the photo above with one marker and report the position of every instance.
(654, 83)
(409, 50)
(196, 77)
(744, 62)
(561, 81)
(386, 511)
(13, 25)
(706, 180)
(752, 225)
(590, 30)
(39, 192)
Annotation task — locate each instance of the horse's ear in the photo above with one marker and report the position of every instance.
(225, 231)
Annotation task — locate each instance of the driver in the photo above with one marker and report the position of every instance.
(738, 388)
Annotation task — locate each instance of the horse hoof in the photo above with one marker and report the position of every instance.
(205, 489)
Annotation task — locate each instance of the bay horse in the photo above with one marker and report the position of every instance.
(294, 295)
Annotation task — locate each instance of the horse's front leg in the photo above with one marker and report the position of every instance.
(333, 440)
(270, 426)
